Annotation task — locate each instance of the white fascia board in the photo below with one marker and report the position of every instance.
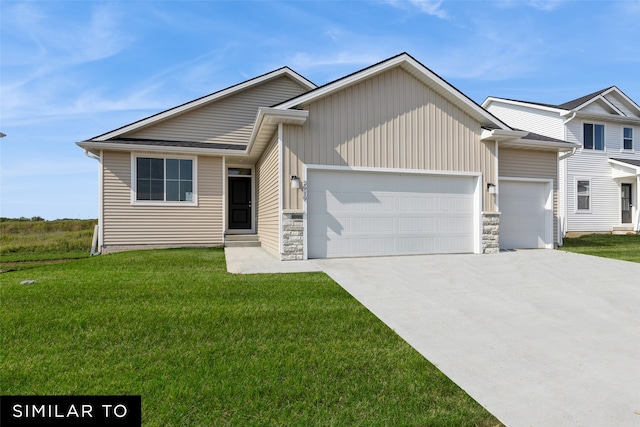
(608, 117)
(400, 60)
(625, 97)
(626, 165)
(603, 99)
(549, 145)
(106, 146)
(502, 134)
(493, 99)
(204, 100)
(274, 116)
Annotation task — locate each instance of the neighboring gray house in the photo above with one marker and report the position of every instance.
(391, 159)
(600, 183)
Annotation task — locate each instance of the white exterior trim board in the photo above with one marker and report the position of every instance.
(134, 181)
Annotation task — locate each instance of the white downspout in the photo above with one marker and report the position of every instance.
(96, 244)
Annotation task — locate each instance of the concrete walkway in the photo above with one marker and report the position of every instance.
(254, 260)
(540, 338)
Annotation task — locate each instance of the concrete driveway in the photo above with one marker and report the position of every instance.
(540, 338)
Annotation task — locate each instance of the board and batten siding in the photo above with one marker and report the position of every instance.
(388, 121)
(532, 164)
(267, 183)
(127, 226)
(226, 121)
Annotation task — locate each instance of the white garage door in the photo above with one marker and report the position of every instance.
(524, 218)
(352, 213)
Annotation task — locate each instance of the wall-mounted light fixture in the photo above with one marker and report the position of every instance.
(295, 182)
(491, 188)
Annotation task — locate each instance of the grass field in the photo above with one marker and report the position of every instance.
(203, 347)
(624, 247)
(25, 240)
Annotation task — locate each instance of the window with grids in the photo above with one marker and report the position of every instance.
(583, 195)
(627, 139)
(163, 179)
(593, 136)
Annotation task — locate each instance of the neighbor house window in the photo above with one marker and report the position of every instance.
(164, 179)
(593, 136)
(583, 191)
(627, 139)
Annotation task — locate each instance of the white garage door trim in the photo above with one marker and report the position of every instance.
(477, 194)
(548, 237)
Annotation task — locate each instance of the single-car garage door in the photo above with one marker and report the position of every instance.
(526, 215)
(354, 213)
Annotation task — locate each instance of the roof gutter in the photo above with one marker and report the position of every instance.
(93, 145)
(91, 155)
(269, 117)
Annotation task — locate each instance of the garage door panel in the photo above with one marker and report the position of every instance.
(523, 219)
(365, 214)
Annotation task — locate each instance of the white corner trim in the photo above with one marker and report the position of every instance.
(281, 183)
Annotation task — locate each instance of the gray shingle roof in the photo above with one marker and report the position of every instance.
(628, 161)
(570, 105)
(185, 144)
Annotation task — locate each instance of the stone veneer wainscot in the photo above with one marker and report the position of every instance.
(292, 234)
(490, 232)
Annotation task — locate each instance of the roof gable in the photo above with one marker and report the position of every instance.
(172, 113)
(418, 71)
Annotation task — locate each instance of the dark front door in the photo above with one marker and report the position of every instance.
(626, 203)
(239, 203)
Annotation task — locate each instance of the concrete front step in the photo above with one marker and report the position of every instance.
(625, 229)
(241, 240)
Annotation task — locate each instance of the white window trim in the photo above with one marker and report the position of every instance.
(593, 150)
(633, 140)
(575, 199)
(134, 180)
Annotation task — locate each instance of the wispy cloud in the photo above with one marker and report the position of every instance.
(542, 5)
(430, 7)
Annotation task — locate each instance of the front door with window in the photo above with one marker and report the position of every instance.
(239, 203)
(627, 203)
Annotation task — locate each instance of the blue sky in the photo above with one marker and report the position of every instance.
(71, 70)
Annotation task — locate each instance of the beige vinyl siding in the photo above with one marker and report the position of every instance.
(226, 121)
(267, 182)
(127, 225)
(532, 164)
(388, 121)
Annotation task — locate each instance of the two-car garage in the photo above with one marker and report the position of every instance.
(366, 213)
(352, 213)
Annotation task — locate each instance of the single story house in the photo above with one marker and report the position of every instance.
(389, 160)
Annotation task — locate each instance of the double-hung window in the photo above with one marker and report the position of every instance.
(593, 137)
(627, 139)
(583, 195)
(161, 179)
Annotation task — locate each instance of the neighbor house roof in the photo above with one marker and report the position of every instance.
(578, 103)
(631, 162)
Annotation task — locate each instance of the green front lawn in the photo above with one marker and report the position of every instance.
(203, 347)
(624, 247)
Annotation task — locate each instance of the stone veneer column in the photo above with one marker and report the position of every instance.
(292, 235)
(490, 232)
